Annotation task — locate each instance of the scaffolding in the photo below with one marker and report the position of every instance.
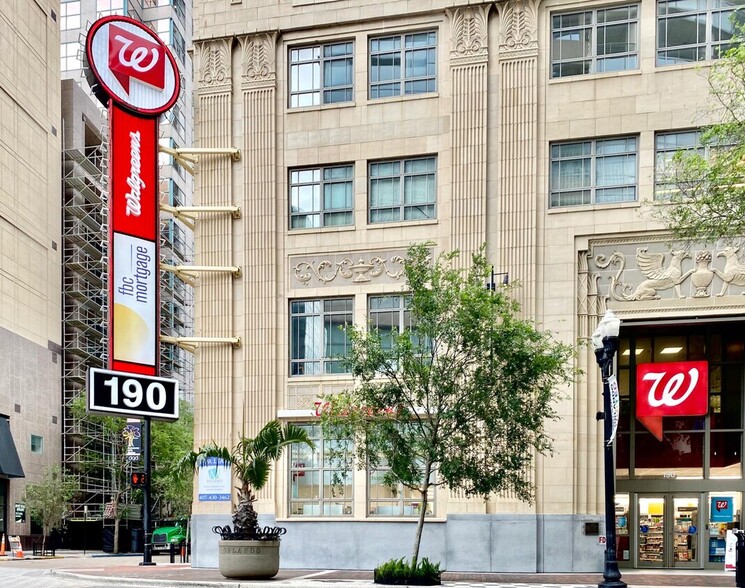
(88, 451)
(86, 447)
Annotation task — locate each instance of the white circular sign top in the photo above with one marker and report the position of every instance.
(132, 65)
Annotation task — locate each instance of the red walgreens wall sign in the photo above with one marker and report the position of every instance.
(133, 73)
(670, 389)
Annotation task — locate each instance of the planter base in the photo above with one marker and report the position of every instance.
(248, 558)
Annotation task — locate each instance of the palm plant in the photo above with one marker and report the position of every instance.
(252, 460)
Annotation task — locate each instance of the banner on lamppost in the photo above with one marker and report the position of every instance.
(615, 407)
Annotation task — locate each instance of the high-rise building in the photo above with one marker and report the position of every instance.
(30, 254)
(86, 224)
(540, 128)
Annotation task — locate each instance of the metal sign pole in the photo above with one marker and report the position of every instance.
(147, 554)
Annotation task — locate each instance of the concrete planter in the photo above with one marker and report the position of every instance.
(243, 558)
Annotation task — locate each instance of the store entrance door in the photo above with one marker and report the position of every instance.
(669, 531)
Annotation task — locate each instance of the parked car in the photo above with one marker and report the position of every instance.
(167, 533)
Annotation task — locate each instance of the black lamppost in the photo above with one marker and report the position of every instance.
(605, 343)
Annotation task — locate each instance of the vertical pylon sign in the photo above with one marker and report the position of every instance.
(133, 74)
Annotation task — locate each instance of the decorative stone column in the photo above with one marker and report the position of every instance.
(469, 55)
(518, 130)
(259, 240)
(213, 402)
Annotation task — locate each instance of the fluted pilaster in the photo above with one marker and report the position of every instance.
(468, 65)
(260, 239)
(213, 246)
(518, 62)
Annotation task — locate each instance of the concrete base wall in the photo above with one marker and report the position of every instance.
(474, 543)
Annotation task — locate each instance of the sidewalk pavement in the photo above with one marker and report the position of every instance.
(125, 570)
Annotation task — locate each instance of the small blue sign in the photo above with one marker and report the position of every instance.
(692, 530)
(722, 509)
(644, 529)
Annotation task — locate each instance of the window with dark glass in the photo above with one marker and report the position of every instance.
(403, 190)
(318, 336)
(322, 197)
(321, 74)
(601, 171)
(403, 64)
(595, 41)
(692, 447)
(696, 30)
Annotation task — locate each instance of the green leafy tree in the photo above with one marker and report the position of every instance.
(252, 459)
(461, 398)
(707, 199)
(169, 442)
(49, 500)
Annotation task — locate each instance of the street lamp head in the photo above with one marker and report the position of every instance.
(610, 324)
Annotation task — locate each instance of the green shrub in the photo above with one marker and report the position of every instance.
(400, 572)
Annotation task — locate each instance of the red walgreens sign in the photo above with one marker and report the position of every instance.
(670, 389)
(133, 73)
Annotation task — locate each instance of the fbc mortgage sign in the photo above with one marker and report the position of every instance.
(133, 74)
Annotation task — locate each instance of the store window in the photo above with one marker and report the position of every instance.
(321, 479)
(322, 197)
(37, 444)
(321, 74)
(403, 64)
(692, 447)
(602, 171)
(403, 190)
(69, 15)
(595, 41)
(696, 30)
(390, 498)
(318, 337)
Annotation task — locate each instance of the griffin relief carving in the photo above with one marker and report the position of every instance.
(214, 69)
(468, 31)
(734, 271)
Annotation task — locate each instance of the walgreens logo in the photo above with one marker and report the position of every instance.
(132, 56)
(670, 389)
(127, 63)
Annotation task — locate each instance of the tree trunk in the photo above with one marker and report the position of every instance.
(116, 534)
(422, 513)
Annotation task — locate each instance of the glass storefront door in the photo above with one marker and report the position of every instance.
(669, 531)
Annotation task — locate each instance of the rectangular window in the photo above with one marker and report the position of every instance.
(179, 7)
(321, 74)
(395, 499)
(695, 30)
(179, 46)
(69, 12)
(109, 7)
(320, 481)
(69, 58)
(600, 171)
(322, 197)
(37, 444)
(666, 145)
(403, 64)
(595, 41)
(318, 337)
(403, 190)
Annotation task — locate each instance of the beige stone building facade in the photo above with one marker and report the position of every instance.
(539, 127)
(30, 252)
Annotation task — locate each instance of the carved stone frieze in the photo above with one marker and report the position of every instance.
(518, 26)
(469, 34)
(258, 60)
(213, 65)
(356, 268)
(632, 271)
